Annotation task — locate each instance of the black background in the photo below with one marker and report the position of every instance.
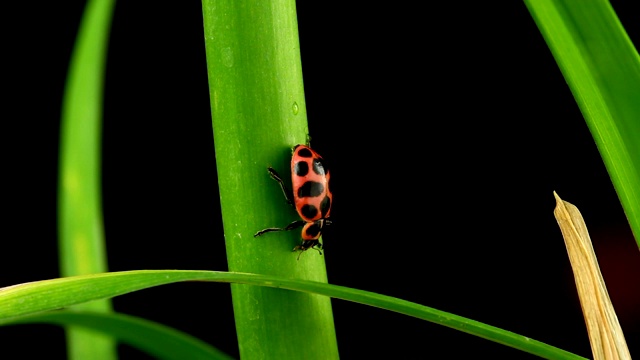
(467, 94)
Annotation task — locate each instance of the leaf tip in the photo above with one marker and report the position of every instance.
(559, 203)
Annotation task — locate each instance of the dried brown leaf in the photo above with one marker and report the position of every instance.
(605, 333)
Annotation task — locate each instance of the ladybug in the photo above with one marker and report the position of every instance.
(311, 196)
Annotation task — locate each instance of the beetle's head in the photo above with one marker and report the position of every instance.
(308, 244)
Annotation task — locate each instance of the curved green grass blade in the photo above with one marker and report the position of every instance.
(156, 339)
(45, 295)
(258, 114)
(602, 68)
(80, 230)
(81, 234)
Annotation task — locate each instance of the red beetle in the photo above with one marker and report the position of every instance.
(312, 196)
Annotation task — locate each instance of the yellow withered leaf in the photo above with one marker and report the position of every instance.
(605, 333)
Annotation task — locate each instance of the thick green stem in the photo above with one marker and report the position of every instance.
(259, 114)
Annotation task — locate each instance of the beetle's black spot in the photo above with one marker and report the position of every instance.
(318, 166)
(313, 230)
(310, 189)
(301, 168)
(304, 152)
(325, 206)
(309, 211)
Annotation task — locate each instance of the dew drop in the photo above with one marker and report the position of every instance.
(296, 109)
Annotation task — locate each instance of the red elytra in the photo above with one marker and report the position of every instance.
(311, 195)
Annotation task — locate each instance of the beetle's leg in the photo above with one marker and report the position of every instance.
(287, 193)
(294, 225)
(316, 245)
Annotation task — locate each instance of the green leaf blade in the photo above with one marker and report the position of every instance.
(158, 340)
(40, 296)
(80, 223)
(602, 68)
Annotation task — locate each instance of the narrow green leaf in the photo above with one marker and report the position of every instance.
(156, 339)
(602, 68)
(45, 295)
(80, 231)
(259, 113)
